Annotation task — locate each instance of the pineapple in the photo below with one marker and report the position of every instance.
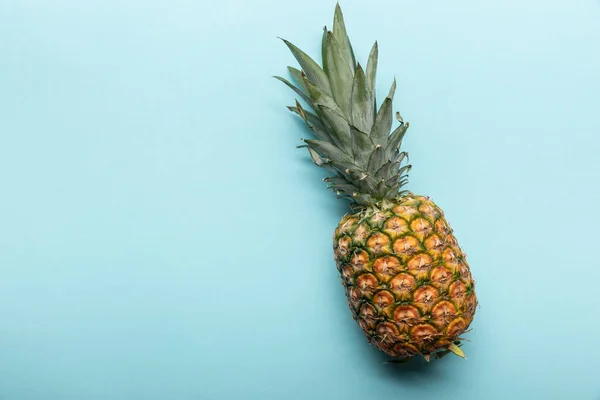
(407, 281)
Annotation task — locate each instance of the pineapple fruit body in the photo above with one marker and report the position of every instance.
(407, 281)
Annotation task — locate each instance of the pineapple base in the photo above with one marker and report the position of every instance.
(408, 283)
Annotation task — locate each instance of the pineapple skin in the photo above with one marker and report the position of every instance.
(407, 281)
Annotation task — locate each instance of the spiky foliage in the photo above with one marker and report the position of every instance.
(353, 137)
(408, 282)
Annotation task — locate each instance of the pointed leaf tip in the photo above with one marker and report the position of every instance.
(341, 37)
(361, 106)
(370, 74)
(313, 71)
(303, 95)
(457, 350)
(339, 71)
(392, 90)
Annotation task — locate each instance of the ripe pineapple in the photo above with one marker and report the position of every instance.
(407, 281)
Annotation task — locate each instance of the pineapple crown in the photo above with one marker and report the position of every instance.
(353, 138)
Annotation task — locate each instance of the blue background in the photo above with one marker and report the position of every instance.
(162, 238)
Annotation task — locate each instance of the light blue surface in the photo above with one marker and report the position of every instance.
(162, 238)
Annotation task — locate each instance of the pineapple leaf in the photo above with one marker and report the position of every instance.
(366, 183)
(400, 156)
(392, 90)
(376, 160)
(336, 180)
(324, 50)
(321, 98)
(297, 75)
(312, 121)
(312, 70)
(362, 112)
(381, 188)
(383, 120)
(363, 198)
(316, 158)
(383, 123)
(347, 168)
(457, 350)
(392, 191)
(341, 36)
(385, 171)
(399, 117)
(370, 84)
(344, 188)
(361, 146)
(404, 169)
(339, 73)
(351, 132)
(393, 180)
(300, 93)
(339, 130)
(329, 151)
(395, 140)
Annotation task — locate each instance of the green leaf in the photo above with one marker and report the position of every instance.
(392, 191)
(312, 121)
(362, 146)
(362, 113)
(312, 70)
(364, 199)
(400, 156)
(324, 50)
(297, 75)
(328, 150)
(399, 117)
(321, 98)
(337, 127)
(370, 81)
(381, 188)
(347, 168)
(392, 90)
(404, 169)
(376, 159)
(383, 123)
(300, 93)
(316, 157)
(383, 120)
(341, 36)
(339, 73)
(367, 184)
(385, 171)
(393, 180)
(457, 350)
(336, 180)
(344, 188)
(395, 140)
